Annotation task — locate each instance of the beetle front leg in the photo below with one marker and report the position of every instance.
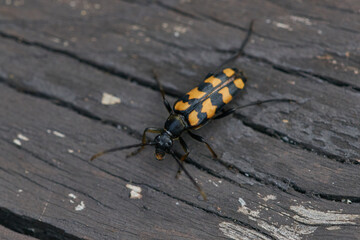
(151, 130)
(165, 101)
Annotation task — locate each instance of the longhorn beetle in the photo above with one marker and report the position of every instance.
(195, 109)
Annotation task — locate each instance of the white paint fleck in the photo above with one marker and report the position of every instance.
(269, 197)
(48, 131)
(238, 232)
(242, 202)
(312, 217)
(71, 201)
(58, 134)
(80, 206)
(20, 191)
(135, 191)
(283, 25)
(306, 21)
(332, 228)
(177, 203)
(17, 142)
(70, 151)
(22, 137)
(72, 195)
(108, 99)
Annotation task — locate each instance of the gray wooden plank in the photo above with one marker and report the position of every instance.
(238, 146)
(6, 234)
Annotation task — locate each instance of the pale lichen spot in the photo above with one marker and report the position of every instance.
(269, 197)
(248, 211)
(315, 217)
(242, 202)
(306, 21)
(108, 99)
(332, 228)
(238, 232)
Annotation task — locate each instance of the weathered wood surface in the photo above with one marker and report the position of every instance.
(294, 166)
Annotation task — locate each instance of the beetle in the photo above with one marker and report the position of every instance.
(194, 110)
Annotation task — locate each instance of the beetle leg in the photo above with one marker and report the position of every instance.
(201, 139)
(186, 150)
(151, 130)
(166, 103)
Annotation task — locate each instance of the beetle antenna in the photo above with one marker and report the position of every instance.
(267, 101)
(189, 176)
(240, 52)
(231, 110)
(119, 149)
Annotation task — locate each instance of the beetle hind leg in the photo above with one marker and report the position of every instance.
(201, 139)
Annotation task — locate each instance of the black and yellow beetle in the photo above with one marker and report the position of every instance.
(193, 110)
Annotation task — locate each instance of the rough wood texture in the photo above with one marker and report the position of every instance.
(287, 171)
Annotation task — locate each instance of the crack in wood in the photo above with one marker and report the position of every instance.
(32, 227)
(286, 139)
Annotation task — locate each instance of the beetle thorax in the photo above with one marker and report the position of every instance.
(175, 125)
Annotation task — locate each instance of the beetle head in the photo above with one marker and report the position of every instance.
(163, 144)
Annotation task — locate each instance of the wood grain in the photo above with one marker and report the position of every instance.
(286, 171)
